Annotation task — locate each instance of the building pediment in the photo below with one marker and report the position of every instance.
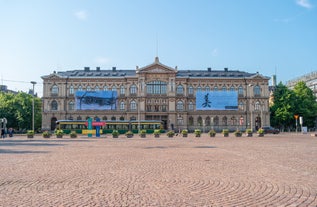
(52, 76)
(156, 67)
(259, 76)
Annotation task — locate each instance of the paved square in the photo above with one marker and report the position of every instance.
(276, 170)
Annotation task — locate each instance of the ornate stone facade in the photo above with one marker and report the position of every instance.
(159, 92)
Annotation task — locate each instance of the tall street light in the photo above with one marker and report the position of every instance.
(33, 82)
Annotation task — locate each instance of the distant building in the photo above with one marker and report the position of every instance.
(4, 88)
(160, 92)
(310, 79)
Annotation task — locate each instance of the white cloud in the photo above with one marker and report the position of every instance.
(102, 60)
(81, 15)
(304, 3)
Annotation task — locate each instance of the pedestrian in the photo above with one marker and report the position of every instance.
(10, 132)
(2, 133)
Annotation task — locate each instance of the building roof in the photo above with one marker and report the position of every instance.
(87, 72)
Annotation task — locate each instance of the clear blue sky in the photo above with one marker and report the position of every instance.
(271, 36)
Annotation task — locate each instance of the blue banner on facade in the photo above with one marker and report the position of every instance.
(217, 100)
(96, 100)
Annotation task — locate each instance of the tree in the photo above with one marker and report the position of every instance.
(287, 103)
(17, 109)
(306, 105)
(282, 111)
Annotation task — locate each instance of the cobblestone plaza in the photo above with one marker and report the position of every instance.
(275, 170)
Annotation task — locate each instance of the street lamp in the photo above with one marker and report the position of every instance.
(33, 83)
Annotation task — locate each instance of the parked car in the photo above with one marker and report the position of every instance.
(269, 129)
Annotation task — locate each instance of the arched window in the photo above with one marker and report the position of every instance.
(225, 121)
(257, 106)
(122, 106)
(133, 106)
(96, 88)
(191, 121)
(190, 90)
(80, 88)
(104, 118)
(180, 106)
(257, 90)
(240, 91)
(199, 121)
(105, 88)
(190, 106)
(216, 121)
(207, 88)
(54, 105)
(55, 89)
(113, 118)
(88, 88)
(156, 87)
(232, 88)
(133, 89)
(121, 118)
(207, 122)
(114, 88)
(71, 90)
(215, 88)
(199, 89)
(180, 90)
(122, 90)
(71, 106)
(233, 121)
(224, 88)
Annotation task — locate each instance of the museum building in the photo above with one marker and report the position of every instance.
(160, 92)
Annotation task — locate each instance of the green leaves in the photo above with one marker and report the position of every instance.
(288, 102)
(17, 109)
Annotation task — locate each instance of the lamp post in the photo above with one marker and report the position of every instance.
(33, 83)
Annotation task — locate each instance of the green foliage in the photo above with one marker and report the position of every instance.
(212, 132)
(30, 132)
(184, 131)
(17, 109)
(225, 131)
(59, 132)
(197, 132)
(157, 131)
(288, 102)
(260, 131)
(115, 132)
(170, 133)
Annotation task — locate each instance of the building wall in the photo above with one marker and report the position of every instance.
(162, 106)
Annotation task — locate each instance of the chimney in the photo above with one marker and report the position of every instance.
(114, 69)
(209, 69)
(97, 68)
(226, 69)
(86, 69)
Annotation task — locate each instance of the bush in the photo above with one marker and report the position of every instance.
(157, 131)
(115, 133)
(170, 133)
(46, 134)
(197, 132)
(184, 131)
(73, 134)
(59, 132)
(212, 133)
(30, 132)
(238, 133)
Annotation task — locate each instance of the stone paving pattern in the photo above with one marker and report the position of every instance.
(275, 170)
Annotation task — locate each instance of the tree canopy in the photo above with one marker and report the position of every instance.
(17, 109)
(287, 103)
